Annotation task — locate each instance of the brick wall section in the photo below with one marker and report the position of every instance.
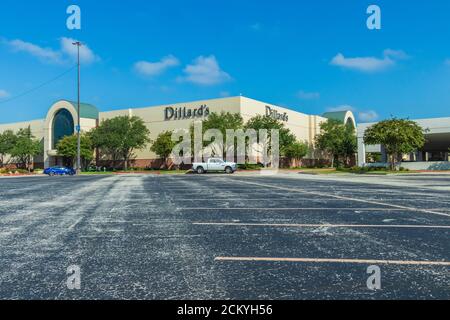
(141, 164)
(36, 165)
(158, 164)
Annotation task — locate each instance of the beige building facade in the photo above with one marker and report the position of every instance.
(61, 121)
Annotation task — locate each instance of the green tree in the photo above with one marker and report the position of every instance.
(7, 141)
(26, 147)
(338, 140)
(398, 136)
(120, 137)
(220, 121)
(163, 146)
(67, 147)
(287, 138)
(297, 151)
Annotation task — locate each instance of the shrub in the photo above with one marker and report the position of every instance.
(250, 166)
(13, 171)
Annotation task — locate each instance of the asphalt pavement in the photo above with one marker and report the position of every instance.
(224, 237)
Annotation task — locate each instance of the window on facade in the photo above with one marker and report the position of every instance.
(350, 123)
(63, 125)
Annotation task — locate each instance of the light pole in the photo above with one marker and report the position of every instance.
(78, 44)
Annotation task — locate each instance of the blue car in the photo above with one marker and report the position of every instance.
(59, 171)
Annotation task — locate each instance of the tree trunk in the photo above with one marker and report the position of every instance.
(399, 160)
(166, 165)
(126, 164)
(392, 161)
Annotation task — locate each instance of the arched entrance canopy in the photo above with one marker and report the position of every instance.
(346, 117)
(61, 121)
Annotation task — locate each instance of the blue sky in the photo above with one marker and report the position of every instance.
(312, 56)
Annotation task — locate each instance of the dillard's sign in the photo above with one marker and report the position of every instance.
(270, 112)
(185, 113)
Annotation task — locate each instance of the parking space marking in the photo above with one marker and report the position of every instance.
(71, 227)
(226, 197)
(296, 225)
(293, 209)
(202, 189)
(349, 198)
(342, 261)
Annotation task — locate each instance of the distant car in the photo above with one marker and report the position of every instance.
(214, 164)
(59, 171)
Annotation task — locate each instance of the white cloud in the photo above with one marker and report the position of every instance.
(87, 56)
(396, 54)
(370, 64)
(205, 71)
(46, 54)
(156, 68)
(308, 95)
(366, 64)
(368, 116)
(66, 53)
(343, 107)
(4, 94)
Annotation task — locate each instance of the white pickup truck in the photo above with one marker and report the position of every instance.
(214, 164)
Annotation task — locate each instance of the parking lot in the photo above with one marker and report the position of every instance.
(225, 237)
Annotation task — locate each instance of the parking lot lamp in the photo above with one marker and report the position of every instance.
(78, 128)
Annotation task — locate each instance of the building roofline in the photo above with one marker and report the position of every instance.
(19, 122)
(170, 104)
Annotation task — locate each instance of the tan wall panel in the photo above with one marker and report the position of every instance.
(154, 117)
(87, 124)
(304, 127)
(298, 123)
(37, 127)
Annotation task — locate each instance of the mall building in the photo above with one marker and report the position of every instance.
(62, 117)
(434, 155)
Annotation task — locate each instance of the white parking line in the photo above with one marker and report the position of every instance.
(350, 261)
(293, 209)
(188, 189)
(225, 197)
(347, 198)
(295, 225)
(71, 227)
